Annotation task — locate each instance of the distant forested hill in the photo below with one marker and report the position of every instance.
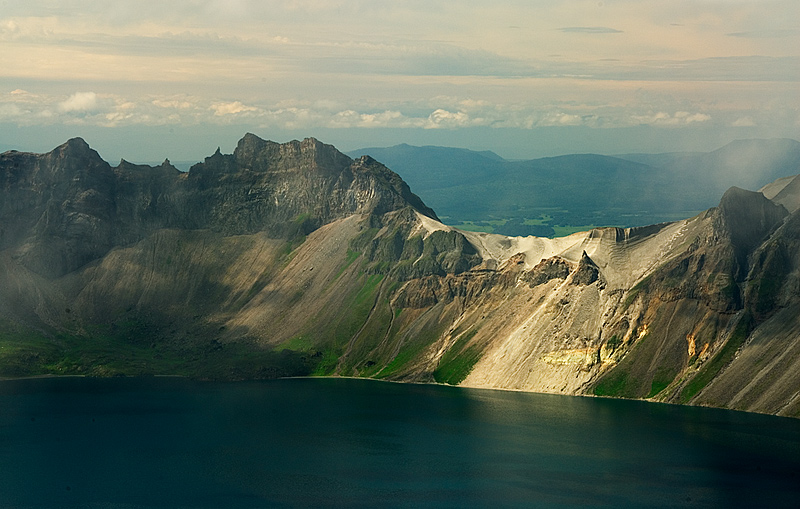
(558, 195)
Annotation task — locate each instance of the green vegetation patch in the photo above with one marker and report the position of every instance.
(407, 353)
(457, 363)
(358, 308)
(543, 219)
(471, 226)
(242, 361)
(300, 343)
(614, 384)
(411, 349)
(127, 349)
(351, 257)
(766, 290)
(326, 362)
(731, 291)
(337, 335)
(288, 250)
(619, 382)
(661, 381)
(613, 342)
(362, 241)
(720, 360)
(634, 292)
(25, 352)
(362, 358)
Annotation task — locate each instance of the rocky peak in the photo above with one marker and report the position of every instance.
(249, 147)
(76, 154)
(587, 272)
(548, 269)
(365, 165)
(75, 146)
(88, 207)
(310, 154)
(747, 217)
(216, 163)
(73, 159)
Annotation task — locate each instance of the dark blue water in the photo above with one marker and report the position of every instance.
(127, 443)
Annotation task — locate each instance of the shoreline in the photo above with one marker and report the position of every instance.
(398, 382)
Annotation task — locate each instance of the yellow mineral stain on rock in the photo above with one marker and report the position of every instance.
(690, 341)
(578, 357)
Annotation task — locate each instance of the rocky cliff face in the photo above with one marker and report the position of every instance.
(69, 207)
(286, 259)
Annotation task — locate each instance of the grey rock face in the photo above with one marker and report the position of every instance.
(63, 209)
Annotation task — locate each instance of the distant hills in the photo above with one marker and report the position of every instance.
(559, 195)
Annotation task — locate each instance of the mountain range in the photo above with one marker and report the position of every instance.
(554, 195)
(294, 259)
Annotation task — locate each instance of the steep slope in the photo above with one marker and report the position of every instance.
(785, 191)
(764, 375)
(293, 259)
(158, 264)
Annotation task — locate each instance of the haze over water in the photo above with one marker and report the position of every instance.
(79, 442)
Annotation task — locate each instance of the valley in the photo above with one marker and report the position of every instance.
(557, 196)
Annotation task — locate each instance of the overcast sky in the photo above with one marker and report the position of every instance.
(146, 79)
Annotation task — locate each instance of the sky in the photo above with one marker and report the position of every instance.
(146, 80)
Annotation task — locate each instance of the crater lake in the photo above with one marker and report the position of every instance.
(326, 442)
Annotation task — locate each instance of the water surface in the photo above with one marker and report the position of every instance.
(160, 442)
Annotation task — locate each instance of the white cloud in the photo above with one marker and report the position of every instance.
(231, 108)
(744, 122)
(449, 112)
(172, 104)
(10, 111)
(443, 119)
(664, 119)
(384, 119)
(117, 117)
(697, 117)
(79, 101)
(346, 118)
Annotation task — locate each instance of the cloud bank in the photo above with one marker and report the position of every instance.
(432, 66)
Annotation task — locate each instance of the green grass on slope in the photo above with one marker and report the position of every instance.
(719, 361)
(356, 309)
(26, 352)
(619, 383)
(413, 346)
(458, 361)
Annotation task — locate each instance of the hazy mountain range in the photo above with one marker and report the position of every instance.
(294, 259)
(482, 191)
